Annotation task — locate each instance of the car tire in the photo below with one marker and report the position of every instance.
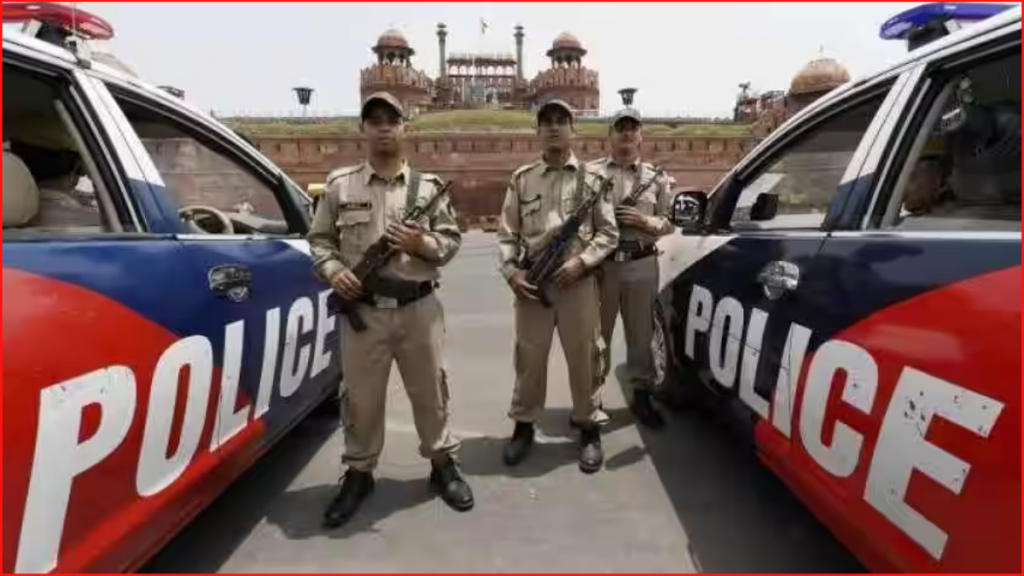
(670, 387)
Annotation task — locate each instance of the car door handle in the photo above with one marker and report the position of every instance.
(778, 277)
(233, 281)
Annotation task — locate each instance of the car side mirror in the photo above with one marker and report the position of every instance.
(688, 210)
(765, 208)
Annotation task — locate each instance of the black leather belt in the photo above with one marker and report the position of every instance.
(630, 252)
(409, 293)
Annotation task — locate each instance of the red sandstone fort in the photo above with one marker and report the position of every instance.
(471, 122)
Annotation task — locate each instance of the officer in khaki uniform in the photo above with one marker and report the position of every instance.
(404, 318)
(540, 197)
(629, 276)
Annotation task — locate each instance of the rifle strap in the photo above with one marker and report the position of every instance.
(639, 179)
(581, 175)
(413, 193)
(581, 182)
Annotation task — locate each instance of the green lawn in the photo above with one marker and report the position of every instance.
(480, 121)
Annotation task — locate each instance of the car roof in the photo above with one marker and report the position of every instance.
(30, 45)
(36, 47)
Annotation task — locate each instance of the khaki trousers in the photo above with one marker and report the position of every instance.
(412, 336)
(574, 312)
(630, 288)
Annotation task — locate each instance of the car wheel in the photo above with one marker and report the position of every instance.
(659, 345)
(669, 387)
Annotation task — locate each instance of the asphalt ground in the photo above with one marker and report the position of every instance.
(687, 498)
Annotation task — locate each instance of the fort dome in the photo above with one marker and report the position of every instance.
(393, 72)
(566, 40)
(392, 39)
(818, 76)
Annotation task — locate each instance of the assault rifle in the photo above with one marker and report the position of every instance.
(639, 189)
(540, 269)
(631, 200)
(373, 260)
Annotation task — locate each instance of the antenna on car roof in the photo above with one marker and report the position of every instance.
(74, 15)
(73, 42)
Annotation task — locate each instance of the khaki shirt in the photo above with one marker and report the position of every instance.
(539, 199)
(357, 207)
(655, 202)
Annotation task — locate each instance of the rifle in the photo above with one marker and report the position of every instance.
(638, 189)
(634, 196)
(373, 260)
(548, 259)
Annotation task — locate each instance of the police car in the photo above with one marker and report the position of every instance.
(850, 291)
(162, 324)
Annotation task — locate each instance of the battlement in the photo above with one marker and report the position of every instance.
(379, 77)
(483, 59)
(568, 78)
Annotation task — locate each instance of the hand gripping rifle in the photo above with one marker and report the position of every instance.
(374, 259)
(547, 261)
(638, 189)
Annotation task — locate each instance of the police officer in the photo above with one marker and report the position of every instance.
(404, 318)
(539, 199)
(629, 277)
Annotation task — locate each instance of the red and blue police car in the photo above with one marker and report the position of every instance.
(162, 326)
(850, 292)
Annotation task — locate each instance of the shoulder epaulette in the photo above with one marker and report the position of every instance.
(432, 178)
(345, 171)
(597, 169)
(525, 168)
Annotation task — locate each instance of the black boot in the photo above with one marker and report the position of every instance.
(354, 489)
(591, 454)
(519, 446)
(644, 410)
(447, 482)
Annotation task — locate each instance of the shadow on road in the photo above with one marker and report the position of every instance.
(556, 446)
(219, 530)
(738, 516)
(299, 513)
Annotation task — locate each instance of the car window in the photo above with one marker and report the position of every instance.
(795, 190)
(51, 181)
(215, 190)
(963, 169)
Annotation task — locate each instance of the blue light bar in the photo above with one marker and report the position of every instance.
(930, 19)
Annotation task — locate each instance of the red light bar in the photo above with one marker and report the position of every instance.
(60, 15)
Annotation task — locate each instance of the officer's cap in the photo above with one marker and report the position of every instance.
(556, 103)
(385, 98)
(627, 114)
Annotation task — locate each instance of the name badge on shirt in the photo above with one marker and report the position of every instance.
(355, 205)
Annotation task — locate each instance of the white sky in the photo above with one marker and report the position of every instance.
(685, 58)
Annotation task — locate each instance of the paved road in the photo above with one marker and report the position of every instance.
(686, 499)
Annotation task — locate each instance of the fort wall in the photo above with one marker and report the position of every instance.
(480, 164)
